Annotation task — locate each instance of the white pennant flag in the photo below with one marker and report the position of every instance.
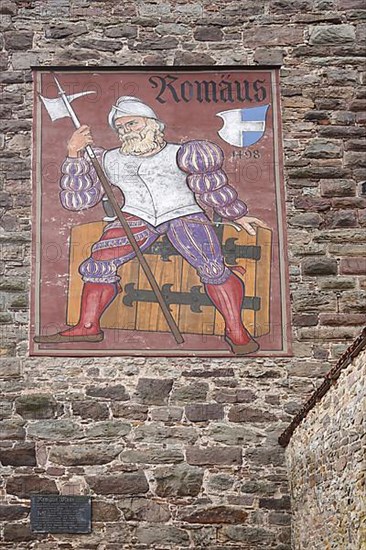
(56, 107)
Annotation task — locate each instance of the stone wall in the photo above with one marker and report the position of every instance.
(180, 453)
(327, 468)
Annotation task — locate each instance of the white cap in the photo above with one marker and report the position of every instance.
(129, 106)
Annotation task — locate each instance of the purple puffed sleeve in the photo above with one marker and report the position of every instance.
(80, 185)
(202, 161)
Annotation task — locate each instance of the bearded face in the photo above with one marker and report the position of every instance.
(139, 135)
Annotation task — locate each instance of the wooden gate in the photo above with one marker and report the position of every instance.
(136, 307)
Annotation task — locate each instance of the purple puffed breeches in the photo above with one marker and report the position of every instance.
(196, 242)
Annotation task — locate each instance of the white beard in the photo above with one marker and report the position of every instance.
(140, 143)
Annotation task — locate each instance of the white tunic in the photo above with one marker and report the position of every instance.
(155, 189)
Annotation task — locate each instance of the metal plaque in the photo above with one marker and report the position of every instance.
(60, 514)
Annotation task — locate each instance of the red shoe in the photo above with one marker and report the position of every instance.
(228, 297)
(95, 299)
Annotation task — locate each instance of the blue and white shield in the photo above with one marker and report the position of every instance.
(243, 127)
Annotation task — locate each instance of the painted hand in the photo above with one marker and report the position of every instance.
(247, 223)
(79, 139)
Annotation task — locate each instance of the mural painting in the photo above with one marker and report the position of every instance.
(158, 214)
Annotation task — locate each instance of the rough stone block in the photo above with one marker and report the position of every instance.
(178, 481)
(190, 393)
(241, 413)
(18, 40)
(167, 414)
(130, 483)
(152, 455)
(154, 391)
(63, 30)
(208, 34)
(121, 31)
(282, 503)
(323, 149)
(157, 433)
(88, 453)
(214, 456)
(22, 60)
(353, 266)
(108, 428)
(337, 188)
(9, 368)
(166, 43)
(262, 35)
(131, 411)
(105, 511)
(255, 538)
(193, 58)
(238, 395)
(22, 454)
(25, 485)
(305, 320)
(162, 535)
(266, 456)
(13, 512)
(12, 428)
(268, 56)
(342, 319)
(8, 8)
(306, 220)
(202, 412)
(142, 509)
(341, 218)
(18, 532)
(232, 434)
(332, 34)
(215, 514)
(90, 409)
(55, 430)
(319, 266)
(36, 406)
(115, 393)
